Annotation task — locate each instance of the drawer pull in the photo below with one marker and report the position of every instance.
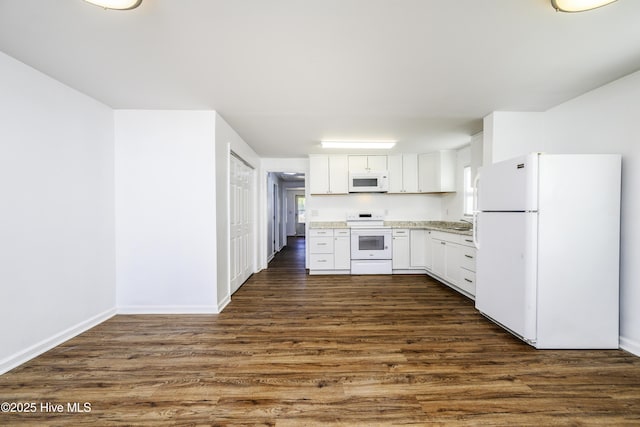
(322, 244)
(443, 243)
(468, 256)
(468, 280)
(322, 260)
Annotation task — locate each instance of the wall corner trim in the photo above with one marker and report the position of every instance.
(630, 345)
(222, 304)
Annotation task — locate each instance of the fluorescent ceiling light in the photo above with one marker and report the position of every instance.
(578, 5)
(368, 144)
(116, 4)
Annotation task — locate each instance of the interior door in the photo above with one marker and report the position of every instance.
(241, 223)
(506, 270)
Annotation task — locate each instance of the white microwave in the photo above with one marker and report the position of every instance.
(369, 182)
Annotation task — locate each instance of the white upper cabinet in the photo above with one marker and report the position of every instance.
(367, 163)
(403, 173)
(328, 174)
(436, 172)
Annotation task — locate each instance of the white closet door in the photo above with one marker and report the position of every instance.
(241, 218)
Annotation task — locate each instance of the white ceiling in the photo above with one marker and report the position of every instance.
(287, 73)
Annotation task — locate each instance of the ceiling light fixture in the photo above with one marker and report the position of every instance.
(578, 5)
(361, 144)
(116, 4)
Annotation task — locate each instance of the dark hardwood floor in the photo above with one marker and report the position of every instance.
(295, 350)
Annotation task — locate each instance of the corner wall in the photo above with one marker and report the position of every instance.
(165, 211)
(57, 268)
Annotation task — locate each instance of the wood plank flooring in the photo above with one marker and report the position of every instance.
(297, 350)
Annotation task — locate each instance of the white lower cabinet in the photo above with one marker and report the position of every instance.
(468, 270)
(453, 258)
(400, 248)
(428, 250)
(342, 249)
(418, 242)
(329, 251)
(438, 256)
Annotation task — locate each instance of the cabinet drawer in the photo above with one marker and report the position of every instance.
(468, 260)
(467, 241)
(321, 245)
(467, 281)
(321, 261)
(321, 232)
(460, 239)
(338, 232)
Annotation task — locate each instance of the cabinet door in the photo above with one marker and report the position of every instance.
(428, 250)
(400, 249)
(319, 174)
(357, 163)
(342, 253)
(409, 173)
(377, 163)
(418, 241)
(436, 172)
(338, 174)
(428, 172)
(396, 173)
(447, 173)
(438, 252)
(452, 271)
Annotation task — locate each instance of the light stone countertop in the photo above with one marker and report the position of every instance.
(328, 224)
(446, 226)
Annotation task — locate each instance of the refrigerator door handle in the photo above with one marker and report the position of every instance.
(474, 225)
(475, 230)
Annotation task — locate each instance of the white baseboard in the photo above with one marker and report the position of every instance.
(47, 344)
(630, 345)
(222, 304)
(168, 309)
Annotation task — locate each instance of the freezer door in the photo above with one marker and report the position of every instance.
(511, 185)
(506, 270)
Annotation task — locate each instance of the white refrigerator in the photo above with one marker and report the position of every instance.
(547, 232)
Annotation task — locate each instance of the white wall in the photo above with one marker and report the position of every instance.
(165, 211)
(453, 204)
(57, 270)
(226, 141)
(396, 207)
(602, 121)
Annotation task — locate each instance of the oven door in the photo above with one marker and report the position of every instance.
(370, 244)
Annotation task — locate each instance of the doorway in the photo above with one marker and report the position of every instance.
(286, 211)
(300, 215)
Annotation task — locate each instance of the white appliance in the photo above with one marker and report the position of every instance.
(369, 182)
(547, 232)
(370, 243)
